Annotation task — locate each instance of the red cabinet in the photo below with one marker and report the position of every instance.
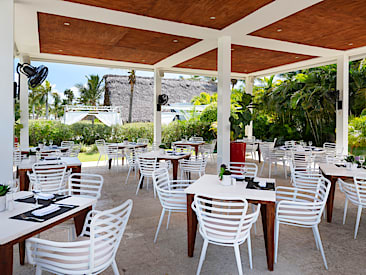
(237, 151)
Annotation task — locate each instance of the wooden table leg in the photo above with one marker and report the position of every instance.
(191, 225)
(259, 154)
(330, 200)
(196, 149)
(23, 180)
(109, 164)
(76, 169)
(268, 219)
(6, 259)
(22, 252)
(79, 220)
(175, 168)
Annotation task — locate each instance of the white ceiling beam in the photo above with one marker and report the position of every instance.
(75, 60)
(209, 73)
(356, 53)
(283, 46)
(301, 65)
(187, 53)
(267, 15)
(91, 13)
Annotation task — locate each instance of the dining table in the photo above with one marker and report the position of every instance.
(16, 231)
(209, 186)
(123, 145)
(195, 144)
(173, 157)
(333, 172)
(26, 165)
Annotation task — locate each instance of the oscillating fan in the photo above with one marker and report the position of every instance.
(162, 100)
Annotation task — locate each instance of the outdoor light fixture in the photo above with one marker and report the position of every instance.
(36, 76)
(162, 100)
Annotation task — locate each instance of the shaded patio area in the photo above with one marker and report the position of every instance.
(139, 255)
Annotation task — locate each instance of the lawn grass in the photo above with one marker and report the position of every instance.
(85, 157)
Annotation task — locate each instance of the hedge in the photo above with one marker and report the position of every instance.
(86, 133)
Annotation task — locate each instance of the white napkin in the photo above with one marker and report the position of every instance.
(45, 211)
(239, 177)
(45, 196)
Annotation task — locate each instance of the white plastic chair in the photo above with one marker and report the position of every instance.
(132, 162)
(147, 167)
(305, 179)
(196, 139)
(226, 223)
(49, 177)
(102, 149)
(171, 195)
(68, 144)
(270, 156)
(246, 169)
(302, 208)
(183, 148)
(17, 157)
(56, 153)
(354, 192)
(113, 153)
(251, 148)
(143, 140)
(192, 166)
(91, 253)
(74, 150)
(208, 149)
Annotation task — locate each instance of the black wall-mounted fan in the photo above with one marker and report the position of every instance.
(162, 100)
(36, 76)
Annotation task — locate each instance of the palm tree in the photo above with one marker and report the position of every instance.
(69, 94)
(41, 94)
(91, 93)
(132, 81)
(58, 108)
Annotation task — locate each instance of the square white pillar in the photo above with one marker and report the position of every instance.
(24, 109)
(6, 88)
(342, 114)
(249, 83)
(223, 100)
(157, 114)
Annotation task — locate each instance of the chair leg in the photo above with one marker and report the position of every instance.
(255, 223)
(168, 221)
(203, 256)
(276, 235)
(238, 260)
(316, 239)
(320, 245)
(269, 168)
(99, 159)
(115, 268)
(359, 211)
(38, 270)
(262, 167)
(138, 185)
(345, 210)
(285, 168)
(128, 174)
(249, 242)
(160, 221)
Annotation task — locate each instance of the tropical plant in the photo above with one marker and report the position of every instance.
(240, 117)
(4, 189)
(357, 132)
(57, 106)
(40, 95)
(204, 99)
(69, 94)
(132, 82)
(92, 91)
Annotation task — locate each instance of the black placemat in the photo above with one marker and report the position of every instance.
(340, 165)
(41, 201)
(255, 185)
(62, 210)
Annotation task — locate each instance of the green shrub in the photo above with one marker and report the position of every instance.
(209, 114)
(357, 132)
(86, 133)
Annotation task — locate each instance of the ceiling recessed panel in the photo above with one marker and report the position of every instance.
(336, 24)
(76, 37)
(215, 14)
(245, 59)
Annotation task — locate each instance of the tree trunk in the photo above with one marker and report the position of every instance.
(47, 107)
(131, 101)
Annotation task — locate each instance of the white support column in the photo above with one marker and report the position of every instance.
(249, 82)
(6, 88)
(24, 109)
(223, 100)
(342, 115)
(157, 115)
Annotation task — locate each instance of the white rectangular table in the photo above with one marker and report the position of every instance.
(333, 173)
(209, 185)
(26, 165)
(17, 231)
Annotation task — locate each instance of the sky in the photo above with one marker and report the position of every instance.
(66, 76)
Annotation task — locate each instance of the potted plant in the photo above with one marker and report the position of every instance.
(224, 175)
(4, 189)
(239, 118)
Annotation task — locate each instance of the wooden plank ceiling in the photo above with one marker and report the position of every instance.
(76, 37)
(244, 59)
(216, 14)
(336, 24)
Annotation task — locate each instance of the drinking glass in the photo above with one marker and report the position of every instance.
(51, 142)
(310, 143)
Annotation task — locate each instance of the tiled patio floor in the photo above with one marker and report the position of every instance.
(139, 255)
